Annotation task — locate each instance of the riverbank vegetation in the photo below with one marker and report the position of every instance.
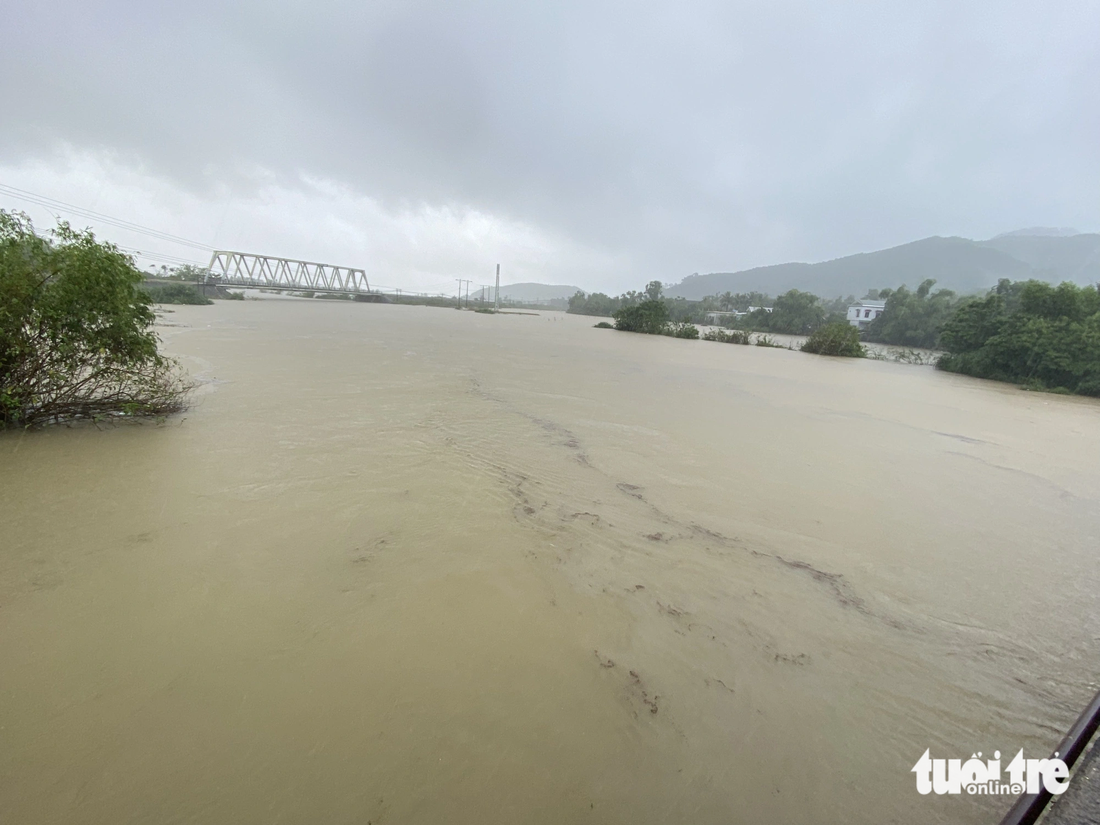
(1026, 332)
(76, 331)
(727, 336)
(177, 294)
(682, 329)
(912, 319)
(1031, 333)
(680, 309)
(838, 338)
(652, 317)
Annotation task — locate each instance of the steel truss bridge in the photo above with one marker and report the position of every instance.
(265, 272)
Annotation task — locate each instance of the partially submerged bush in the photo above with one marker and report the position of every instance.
(838, 338)
(649, 316)
(76, 336)
(682, 330)
(178, 294)
(732, 336)
(903, 355)
(767, 341)
(603, 325)
(232, 296)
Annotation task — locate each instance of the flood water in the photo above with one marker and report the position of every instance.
(405, 564)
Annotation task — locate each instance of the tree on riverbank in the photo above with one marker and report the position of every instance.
(1028, 332)
(76, 337)
(649, 316)
(796, 313)
(912, 319)
(595, 303)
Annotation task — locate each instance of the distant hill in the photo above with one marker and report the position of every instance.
(955, 263)
(1054, 258)
(1048, 231)
(528, 292)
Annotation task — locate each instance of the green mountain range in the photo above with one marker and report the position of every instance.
(956, 263)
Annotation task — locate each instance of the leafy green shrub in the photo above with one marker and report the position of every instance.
(233, 296)
(839, 338)
(649, 317)
(76, 331)
(603, 325)
(177, 294)
(682, 330)
(733, 336)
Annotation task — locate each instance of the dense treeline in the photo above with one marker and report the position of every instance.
(652, 317)
(1029, 332)
(794, 312)
(912, 319)
(680, 309)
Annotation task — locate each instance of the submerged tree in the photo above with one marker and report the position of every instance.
(837, 338)
(76, 337)
(649, 316)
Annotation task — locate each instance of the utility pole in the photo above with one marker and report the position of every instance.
(497, 299)
(462, 281)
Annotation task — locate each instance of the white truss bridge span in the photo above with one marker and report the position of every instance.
(266, 272)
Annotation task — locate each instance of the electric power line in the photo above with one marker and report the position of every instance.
(162, 257)
(53, 203)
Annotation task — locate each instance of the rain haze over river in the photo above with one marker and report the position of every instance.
(406, 564)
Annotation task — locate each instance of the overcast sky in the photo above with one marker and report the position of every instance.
(597, 144)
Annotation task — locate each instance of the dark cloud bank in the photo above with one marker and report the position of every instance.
(670, 138)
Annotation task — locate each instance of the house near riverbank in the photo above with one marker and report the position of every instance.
(721, 317)
(861, 313)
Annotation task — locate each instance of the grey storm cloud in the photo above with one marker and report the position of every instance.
(676, 136)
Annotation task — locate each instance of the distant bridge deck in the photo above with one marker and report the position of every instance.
(266, 272)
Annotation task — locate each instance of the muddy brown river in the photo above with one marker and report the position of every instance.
(415, 565)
